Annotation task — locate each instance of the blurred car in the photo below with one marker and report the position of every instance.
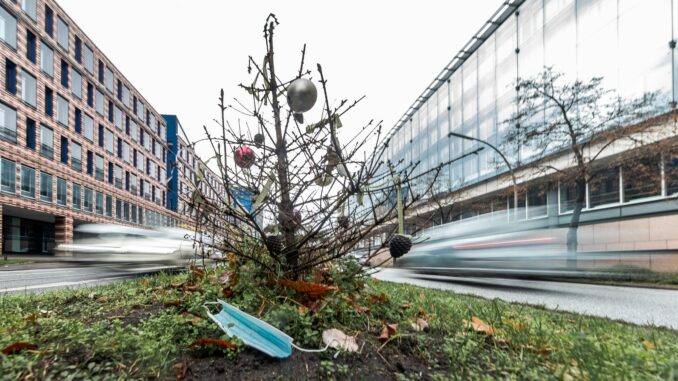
(116, 243)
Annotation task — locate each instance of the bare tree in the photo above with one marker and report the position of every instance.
(580, 121)
(299, 194)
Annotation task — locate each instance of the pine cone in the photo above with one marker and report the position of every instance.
(258, 139)
(275, 244)
(399, 245)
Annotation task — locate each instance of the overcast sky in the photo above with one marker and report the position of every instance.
(179, 53)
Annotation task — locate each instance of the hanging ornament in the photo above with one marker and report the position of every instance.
(399, 245)
(299, 117)
(244, 157)
(323, 180)
(301, 95)
(258, 139)
(332, 158)
(275, 244)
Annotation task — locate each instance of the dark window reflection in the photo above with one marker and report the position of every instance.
(604, 188)
(642, 178)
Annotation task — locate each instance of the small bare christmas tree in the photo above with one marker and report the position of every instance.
(299, 192)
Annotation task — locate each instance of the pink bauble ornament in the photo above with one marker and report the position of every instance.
(244, 157)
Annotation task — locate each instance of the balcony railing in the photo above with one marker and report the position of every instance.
(7, 134)
(99, 174)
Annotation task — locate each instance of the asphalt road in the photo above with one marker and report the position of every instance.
(60, 276)
(630, 304)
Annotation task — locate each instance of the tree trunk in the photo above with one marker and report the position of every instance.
(572, 241)
(285, 207)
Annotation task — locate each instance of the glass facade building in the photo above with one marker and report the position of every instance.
(630, 43)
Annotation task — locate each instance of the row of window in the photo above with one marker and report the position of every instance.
(82, 198)
(82, 53)
(84, 123)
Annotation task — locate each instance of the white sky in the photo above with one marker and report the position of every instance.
(180, 53)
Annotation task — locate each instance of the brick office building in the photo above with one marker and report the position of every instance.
(78, 143)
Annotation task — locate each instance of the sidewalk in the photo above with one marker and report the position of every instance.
(34, 262)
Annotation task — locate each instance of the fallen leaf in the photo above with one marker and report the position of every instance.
(405, 306)
(312, 290)
(175, 303)
(420, 325)
(190, 318)
(216, 342)
(517, 325)
(648, 344)
(388, 331)
(260, 310)
(178, 285)
(197, 273)
(480, 326)
(18, 347)
(192, 288)
(303, 309)
(381, 297)
(31, 317)
(359, 309)
(335, 338)
(180, 369)
(227, 292)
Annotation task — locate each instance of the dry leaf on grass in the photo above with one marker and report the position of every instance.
(18, 347)
(260, 310)
(388, 331)
(479, 325)
(197, 273)
(312, 290)
(205, 341)
(174, 303)
(190, 318)
(337, 339)
(648, 344)
(420, 325)
(181, 370)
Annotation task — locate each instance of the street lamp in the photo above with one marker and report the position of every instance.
(513, 176)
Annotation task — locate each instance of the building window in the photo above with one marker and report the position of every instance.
(78, 49)
(88, 200)
(119, 90)
(46, 187)
(125, 96)
(46, 59)
(31, 46)
(100, 103)
(49, 21)
(77, 198)
(89, 59)
(99, 203)
(8, 176)
(77, 115)
(31, 8)
(109, 206)
(64, 73)
(127, 181)
(119, 148)
(27, 182)
(118, 209)
(110, 173)
(76, 83)
(7, 27)
(46, 142)
(125, 152)
(133, 184)
(133, 130)
(64, 150)
(62, 193)
(99, 168)
(109, 141)
(642, 178)
(62, 33)
(117, 174)
(10, 76)
(109, 80)
(134, 213)
(7, 123)
(110, 111)
(30, 133)
(118, 117)
(140, 162)
(49, 102)
(90, 95)
(90, 163)
(604, 188)
(76, 156)
(101, 136)
(536, 202)
(62, 110)
(126, 211)
(29, 92)
(101, 71)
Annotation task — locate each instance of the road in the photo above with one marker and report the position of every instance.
(67, 276)
(630, 304)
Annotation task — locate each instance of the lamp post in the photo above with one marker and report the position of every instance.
(513, 176)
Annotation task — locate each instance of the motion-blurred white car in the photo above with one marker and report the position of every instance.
(116, 243)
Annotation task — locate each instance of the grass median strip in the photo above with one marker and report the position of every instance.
(148, 328)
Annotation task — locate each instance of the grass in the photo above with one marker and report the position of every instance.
(9, 262)
(142, 329)
(626, 275)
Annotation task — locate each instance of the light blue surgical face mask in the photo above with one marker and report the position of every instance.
(254, 332)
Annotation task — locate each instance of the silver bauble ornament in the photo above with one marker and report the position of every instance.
(301, 95)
